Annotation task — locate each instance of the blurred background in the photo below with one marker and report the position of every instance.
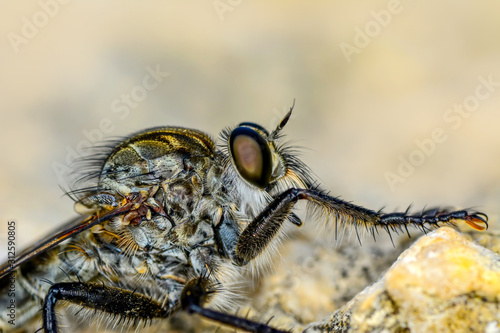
(396, 101)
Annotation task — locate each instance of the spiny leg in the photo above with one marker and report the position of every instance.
(259, 233)
(136, 307)
(198, 290)
(116, 301)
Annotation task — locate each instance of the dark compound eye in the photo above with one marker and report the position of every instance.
(254, 125)
(251, 156)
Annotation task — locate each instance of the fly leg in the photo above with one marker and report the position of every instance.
(259, 233)
(198, 290)
(136, 307)
(115, 301)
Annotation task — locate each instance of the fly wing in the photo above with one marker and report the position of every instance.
(69, 230)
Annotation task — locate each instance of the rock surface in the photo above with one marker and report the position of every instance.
(444, 283)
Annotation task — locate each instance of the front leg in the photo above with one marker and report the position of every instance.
(259, 233)
(116, 301)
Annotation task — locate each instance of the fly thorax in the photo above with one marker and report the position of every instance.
(191, 233)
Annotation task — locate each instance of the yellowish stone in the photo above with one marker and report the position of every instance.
(444, 265)
(443, 283)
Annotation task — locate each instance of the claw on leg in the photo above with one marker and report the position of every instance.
(477, 221)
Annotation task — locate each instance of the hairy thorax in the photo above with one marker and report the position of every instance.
(168, 236)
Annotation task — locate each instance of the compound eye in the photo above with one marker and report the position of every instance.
(251, 156)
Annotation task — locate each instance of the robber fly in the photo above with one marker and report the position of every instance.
(172, 222)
